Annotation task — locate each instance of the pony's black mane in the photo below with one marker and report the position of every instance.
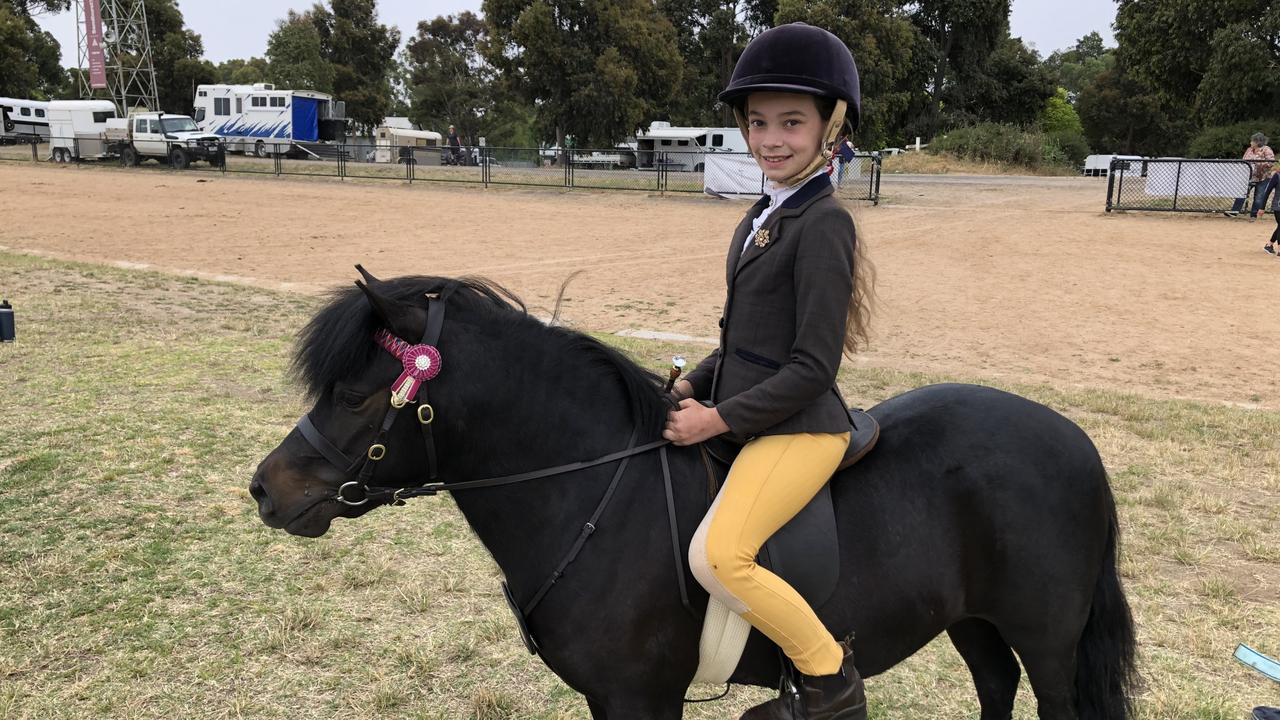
(338, 341)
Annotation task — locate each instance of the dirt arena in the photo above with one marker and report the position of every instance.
(1014, 278)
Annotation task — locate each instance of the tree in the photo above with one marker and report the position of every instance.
(710, 36)
(1123, 115)
(1010, 86)
(595, 70)
(29, 57)
(892, 55)
(1240, 81)
(294, 59)
(238, 71)
(963, 35)
(1213, 61)
(449, 82)
(362, 53)
(1077, 68)
(176, 53)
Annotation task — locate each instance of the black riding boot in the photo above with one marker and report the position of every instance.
(828, 697)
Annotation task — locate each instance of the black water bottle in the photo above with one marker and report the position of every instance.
(6, 321)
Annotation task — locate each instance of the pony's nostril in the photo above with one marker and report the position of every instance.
(255, 488)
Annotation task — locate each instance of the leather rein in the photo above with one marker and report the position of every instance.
(422, 362)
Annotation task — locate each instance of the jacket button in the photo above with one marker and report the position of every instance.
(722, 322)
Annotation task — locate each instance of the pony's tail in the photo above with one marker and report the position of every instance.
(1105, 672)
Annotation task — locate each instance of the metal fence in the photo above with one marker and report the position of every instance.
(1180, 185)
(717, 173)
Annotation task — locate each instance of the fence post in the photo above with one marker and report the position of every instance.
(35, 153)
(1177, 180)
(275, 162)
(879, 164)
(1111, 181)
(1120, 185)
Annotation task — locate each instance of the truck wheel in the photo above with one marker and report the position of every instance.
(129, 157)
(56, 156)
(260, 149)
(178, 159)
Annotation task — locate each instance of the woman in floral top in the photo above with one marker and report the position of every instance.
(1262, 157)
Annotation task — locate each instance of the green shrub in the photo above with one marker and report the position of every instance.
(1012, 145)
(1229, 141)
(1073, 147)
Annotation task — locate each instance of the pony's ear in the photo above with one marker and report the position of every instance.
(406, 321)
(368, 277)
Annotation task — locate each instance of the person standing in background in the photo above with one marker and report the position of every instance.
(1262, 158)
(455, 145)
(845, 152)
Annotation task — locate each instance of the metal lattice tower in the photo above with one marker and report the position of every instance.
(131, 76)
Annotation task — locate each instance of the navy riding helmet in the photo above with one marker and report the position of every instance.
(797, 58)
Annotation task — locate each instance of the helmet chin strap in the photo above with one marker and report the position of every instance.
(828, 140)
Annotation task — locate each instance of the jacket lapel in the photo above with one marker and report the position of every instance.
(816, 188)
(740, 236)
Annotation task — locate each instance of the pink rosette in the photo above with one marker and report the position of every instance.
(421, 362)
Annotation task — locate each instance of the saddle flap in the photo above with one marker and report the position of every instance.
(806, 551)
(862, 438)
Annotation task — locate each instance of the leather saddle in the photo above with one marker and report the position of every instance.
(806, 551)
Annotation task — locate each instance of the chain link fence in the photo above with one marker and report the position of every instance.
(723, 174)
(1180, 185)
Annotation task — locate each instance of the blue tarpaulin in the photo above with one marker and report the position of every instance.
(306, 127)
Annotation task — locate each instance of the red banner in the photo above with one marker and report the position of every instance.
(93, 36)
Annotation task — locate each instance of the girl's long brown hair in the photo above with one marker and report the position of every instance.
(857, 326)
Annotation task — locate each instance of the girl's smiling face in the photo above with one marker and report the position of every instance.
(784, 131)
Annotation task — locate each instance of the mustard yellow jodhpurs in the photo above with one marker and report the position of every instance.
(771, 480)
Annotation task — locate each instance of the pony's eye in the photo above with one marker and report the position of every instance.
(351, 398)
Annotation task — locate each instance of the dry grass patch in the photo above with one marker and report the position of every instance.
(925, 163)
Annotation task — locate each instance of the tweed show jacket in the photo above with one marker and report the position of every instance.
(782, 331)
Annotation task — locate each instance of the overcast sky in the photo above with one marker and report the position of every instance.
(239, 28)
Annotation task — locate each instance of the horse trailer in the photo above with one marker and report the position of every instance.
(263, 120)
(684, 148)
(77, 129)
(22, 120)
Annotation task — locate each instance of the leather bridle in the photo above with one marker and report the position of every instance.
(422, 362)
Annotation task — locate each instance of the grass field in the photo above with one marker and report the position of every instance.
(139, 583)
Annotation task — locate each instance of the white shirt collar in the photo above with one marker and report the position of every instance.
(777, 195)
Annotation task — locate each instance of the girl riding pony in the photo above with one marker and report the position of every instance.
(795, 304)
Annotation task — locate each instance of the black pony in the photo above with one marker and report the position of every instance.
(979, 513)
